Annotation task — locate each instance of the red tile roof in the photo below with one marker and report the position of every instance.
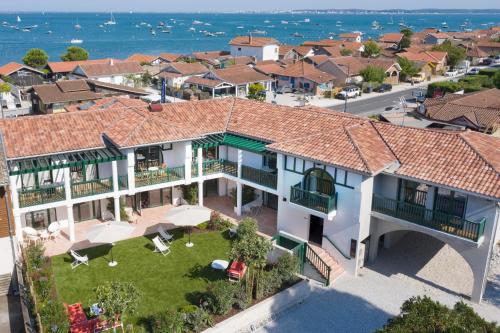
(140, 58)
(185, 68)
(350, 35)
(68, 66)
(240, 74)
(111, 68)
(301, 69)
(253, 41)
(425, 56)
(13, 67)
(391, 38)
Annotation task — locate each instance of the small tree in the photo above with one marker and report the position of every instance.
(408, 68)
(371, 50)
(146, 78)
(36, 58)
(118, 299)
(373, 74)
(455, 54)
(406, 40)
(496, 79)
(254, 90)
(345, 52)
(5, 88)
(75, 53)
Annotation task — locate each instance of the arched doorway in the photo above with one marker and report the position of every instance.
(319, 180)
(423, 261)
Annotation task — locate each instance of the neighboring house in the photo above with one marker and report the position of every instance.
(261, 48)
(351, 37)
(478, 111)
(22, 75)
(240, 77)
(210, 58)
(347, 70)
(60, 69)
(271, 69)
(436, 38)
(325, 179)
(489, 47)
(14, 103)
(473, 52)
(53, 98)
(142, 59)
(391, 40)
(303, 75)
(176, 73)
(335, 49)
(122, 73)
(295, 52)
(435, 59)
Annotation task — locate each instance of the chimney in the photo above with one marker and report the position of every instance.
(111, 62)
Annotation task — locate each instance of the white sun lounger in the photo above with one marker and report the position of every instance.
(78, 259)
(160, 246)
(164, 235)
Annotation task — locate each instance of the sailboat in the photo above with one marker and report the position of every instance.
(77, 25)
(111, 20)
(18, 19)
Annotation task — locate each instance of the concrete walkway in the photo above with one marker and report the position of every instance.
(361, 304)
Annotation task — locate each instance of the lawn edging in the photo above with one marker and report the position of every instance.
(263, 312)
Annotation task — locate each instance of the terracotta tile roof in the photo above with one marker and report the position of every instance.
(468, 161)
(68, 66)
(439, 35)
(65, 92)
(240, 74)
(203, 81)
(425, 56)
(253, 41)
(481, 108)
(185, 68)
(119, 88)
(354, 65)
(300, 49)
(301, 69)
(319, 59)
(271, 68)
(170, 57)
(140, 58)
(391, 38)
(350, 35)
(489, 44)
(464, 160)
(111, 68)
(243, 60)
(319, 43)
(13, 67)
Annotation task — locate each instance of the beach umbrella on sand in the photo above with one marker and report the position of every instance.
(109, 233)
(188, 216)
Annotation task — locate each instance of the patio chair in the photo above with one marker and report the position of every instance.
(108, 216)
(78, 259)
(54, 230)
(164, 235)
(160, 246)
(31, 234)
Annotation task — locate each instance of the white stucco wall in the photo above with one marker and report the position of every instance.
(177, 156)
(6, 259)
(269, 52)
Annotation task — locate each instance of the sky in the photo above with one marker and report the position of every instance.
(231, 5)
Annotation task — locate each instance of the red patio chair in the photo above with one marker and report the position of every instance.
(236, 271)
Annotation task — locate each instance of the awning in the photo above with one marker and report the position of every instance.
(232, 140)
(59, 161)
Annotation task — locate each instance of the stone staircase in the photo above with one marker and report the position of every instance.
(324, 263)
(5, 282)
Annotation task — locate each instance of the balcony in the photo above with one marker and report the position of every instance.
(158, 176)
(259, 176)
(320, 202)
(91, 187)
(123, 182)
(46, 194)
(220, 166)
(429, 218)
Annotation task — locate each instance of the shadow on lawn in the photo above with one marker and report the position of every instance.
(96, 252)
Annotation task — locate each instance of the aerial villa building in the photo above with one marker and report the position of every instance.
(261, 48)
(338, 181)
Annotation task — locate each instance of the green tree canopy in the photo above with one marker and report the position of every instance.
(249, 247)
(117, 298)
(407, 32)
(422, 314)
(254, 89)
(408, 68)
(455, 54)
(371, 50)
(4, 88)
(36, 58)
(496, 79)
(373, 74)
(75, 53)
(345, 52)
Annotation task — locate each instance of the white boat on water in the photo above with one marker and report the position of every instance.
(18, 19)
(76, 41)
(284, 22)
(259, 32)
(196, 22)
(192, 29)
(240, 27)
(111, 20)
(307, 20)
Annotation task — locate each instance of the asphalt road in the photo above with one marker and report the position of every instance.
(379, 103)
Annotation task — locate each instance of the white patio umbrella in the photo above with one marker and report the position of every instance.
(188, 216)
(110, 233)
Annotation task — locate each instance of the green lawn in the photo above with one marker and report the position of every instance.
(165, 282)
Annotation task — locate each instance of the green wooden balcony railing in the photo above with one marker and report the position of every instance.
(123, 182)
(162, 175)
(429, 218)
(46, 194)
(220, 166)
(259, 176)
(320, 202)
(91, 187)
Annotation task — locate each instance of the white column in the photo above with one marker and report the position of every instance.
(188, 162)
(71, 223)
(114, 172)
(239, 198)
(67, 183)
(200, 193)
(213, 93)
(131, 171)
(117, 208)
(200, 161)
(19, 226)
(14, 195)
(240, 161)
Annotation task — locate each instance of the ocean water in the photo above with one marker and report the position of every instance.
(128, 36)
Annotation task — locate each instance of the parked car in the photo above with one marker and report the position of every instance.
(451, 73)
(487, 62)
(496, 59)
(383, 88)
(349, 92)
(417, 78)
(284, 90)
(473, 71)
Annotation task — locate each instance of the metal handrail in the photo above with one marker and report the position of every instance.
(336, 247)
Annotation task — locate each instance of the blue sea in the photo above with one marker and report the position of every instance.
(131, 34)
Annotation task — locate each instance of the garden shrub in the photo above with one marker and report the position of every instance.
(287, 267)
(488, 71)
(221, 296)
(444, 87)
(169, 321)
(268, 282)
(198, 320)
(477, 80)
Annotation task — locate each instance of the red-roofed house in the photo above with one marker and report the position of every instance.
(261, 48)
(22, 75)
(303, 75)
(436, 38)
(350, 37)
(435, 59)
